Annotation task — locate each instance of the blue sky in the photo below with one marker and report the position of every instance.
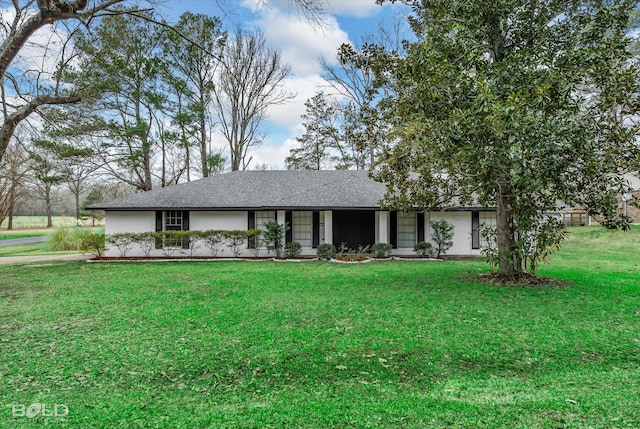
(301, 45)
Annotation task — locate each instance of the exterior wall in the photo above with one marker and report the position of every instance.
(461, 222)
(144, 221)
(117, 222)
(202, 221)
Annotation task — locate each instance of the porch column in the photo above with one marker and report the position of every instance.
(427, 226)
(328, 226)
(383, 226)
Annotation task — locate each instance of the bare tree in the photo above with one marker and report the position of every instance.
(12, 174)
(46, 174)
(356, 79)
(248, 83)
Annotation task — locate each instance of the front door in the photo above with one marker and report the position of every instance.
(354, 227)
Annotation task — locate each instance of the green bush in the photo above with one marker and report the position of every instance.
(326, 251)
(124, 241)
(273, 236)
(214, 240)
(190, 241)
(442, 236)
(147, 241)
(65, 239)
(382, 250)
(292, 250)
(423, 249)
(93, 243)
(254, 241)
(235, 239)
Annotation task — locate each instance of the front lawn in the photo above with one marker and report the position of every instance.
(311, 345)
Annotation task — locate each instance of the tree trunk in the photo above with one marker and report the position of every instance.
(10, 221)
(504, 237)
(203, 139)
(77, 195)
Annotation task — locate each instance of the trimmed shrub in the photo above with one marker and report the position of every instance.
(147, 241)
(292, 250)
(93, 243)
(124, 241)
(423, 249)
(382, 250)
(214, 240)
(190, 241)
(254, 242)
(235, 239)
(171, 241)
(326, 251)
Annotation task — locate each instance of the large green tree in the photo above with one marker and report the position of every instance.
(515, 104)
(124, 74)
(320, 136)
(192, 67)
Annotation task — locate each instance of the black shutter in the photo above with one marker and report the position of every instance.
(185, 227)
(393, 229)
(420, 220)
(159, 228)
(185, 220)
(288, 221)
(475, 229)
(316, 230)
(251, 224)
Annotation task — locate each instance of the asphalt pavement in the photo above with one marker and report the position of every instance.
(21, 241)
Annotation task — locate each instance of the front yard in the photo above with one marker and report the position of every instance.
(265, 344)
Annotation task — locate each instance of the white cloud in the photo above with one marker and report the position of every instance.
(355, 8)
(301, 44)
(288, 114)
(272, 154)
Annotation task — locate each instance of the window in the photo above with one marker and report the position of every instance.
(486, 219)
(406, 230)
(475, 229)
(303, 228)
(173, 220)
(321, 238)
(263, 217)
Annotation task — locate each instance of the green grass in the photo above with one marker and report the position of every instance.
(12, 235)
(32, 222)
(312, 345)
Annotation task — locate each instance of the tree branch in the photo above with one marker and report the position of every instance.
(12, 121)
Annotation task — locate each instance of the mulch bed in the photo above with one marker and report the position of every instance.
(522, 280)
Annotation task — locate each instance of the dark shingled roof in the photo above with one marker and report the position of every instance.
(288, 189)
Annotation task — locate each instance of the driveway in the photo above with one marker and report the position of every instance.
(21, 241)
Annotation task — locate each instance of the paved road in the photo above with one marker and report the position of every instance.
(21, 241)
